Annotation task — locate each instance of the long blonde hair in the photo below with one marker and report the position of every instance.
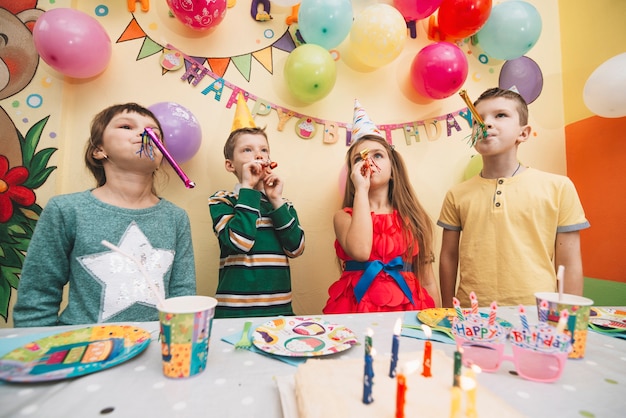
(417, 223)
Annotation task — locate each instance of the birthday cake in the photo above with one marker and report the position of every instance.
(328, 388)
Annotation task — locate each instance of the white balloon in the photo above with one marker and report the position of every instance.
(605, 90)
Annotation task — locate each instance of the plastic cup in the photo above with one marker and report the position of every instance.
(578, 308)
(185, 333)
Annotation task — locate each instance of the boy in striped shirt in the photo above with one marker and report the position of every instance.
(258, 231)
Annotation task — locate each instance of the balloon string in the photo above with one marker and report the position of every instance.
(188, 183)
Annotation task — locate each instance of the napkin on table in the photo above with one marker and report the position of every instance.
(410, 318)
(233, 338)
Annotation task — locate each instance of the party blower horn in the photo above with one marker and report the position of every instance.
(482, 131)
(188, 183)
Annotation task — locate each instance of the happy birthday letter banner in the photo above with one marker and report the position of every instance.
(306, 127)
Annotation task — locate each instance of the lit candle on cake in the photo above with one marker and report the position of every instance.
(400, 395)
(455, 406)
(401, 387)
(428, 348)
(368, 376)
(469, 385)
(457, 367)
(395, 345)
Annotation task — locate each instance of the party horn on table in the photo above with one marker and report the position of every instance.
(188, 183)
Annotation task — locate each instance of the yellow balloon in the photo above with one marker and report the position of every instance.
(378, 35)
(474, 167)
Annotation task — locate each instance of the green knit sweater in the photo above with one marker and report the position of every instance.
(256, 243)
(104, 286)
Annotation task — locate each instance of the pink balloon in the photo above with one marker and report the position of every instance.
(416, 9)
(72, 42)
(198, 14)
(343, 178)
(182, 134)
(439, 70)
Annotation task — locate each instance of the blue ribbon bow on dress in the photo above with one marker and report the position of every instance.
(371, 270)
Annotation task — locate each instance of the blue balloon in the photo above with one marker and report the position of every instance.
(325, 22)
(512, 29)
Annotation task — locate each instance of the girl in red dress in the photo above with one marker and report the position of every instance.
(384, 235)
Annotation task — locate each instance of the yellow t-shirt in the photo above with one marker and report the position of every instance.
(508, 232)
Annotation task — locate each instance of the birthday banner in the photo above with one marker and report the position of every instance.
(306, 126)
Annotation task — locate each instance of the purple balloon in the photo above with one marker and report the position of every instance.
(181, 135)
(524, 75)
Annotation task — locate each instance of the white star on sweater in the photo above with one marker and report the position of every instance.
(123, 282)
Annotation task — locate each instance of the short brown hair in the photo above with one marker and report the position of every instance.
(98, 125)
(522, 107)
(229, 146)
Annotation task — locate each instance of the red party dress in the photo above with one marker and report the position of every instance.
(384, 294)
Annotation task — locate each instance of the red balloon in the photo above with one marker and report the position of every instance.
(439, 70)
(460, 19)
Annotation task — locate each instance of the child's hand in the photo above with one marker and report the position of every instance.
(252, 173)
(360, 177)
(273, 189)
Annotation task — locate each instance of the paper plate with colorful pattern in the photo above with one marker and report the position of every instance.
(73, 353)
(302, 337)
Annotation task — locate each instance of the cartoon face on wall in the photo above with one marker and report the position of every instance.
(18, 63)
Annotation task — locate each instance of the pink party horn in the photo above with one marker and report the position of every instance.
(188, 183)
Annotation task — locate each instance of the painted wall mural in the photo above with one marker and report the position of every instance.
(23, 168)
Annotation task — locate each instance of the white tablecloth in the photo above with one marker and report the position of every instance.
(242, 384)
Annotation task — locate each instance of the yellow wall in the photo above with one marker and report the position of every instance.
(311, 168)
(591, 33)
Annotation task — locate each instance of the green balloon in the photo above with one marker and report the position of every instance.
(310, 72)
(473, 168)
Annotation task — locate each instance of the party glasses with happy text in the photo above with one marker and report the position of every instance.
(539, 352)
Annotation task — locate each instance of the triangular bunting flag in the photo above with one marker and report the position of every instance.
(218, 65)
(243, 64)
(264, 57)
(199, 60)
(285, 43)
(132, 31)
(148, 48)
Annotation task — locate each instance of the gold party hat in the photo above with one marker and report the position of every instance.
(243, 117)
